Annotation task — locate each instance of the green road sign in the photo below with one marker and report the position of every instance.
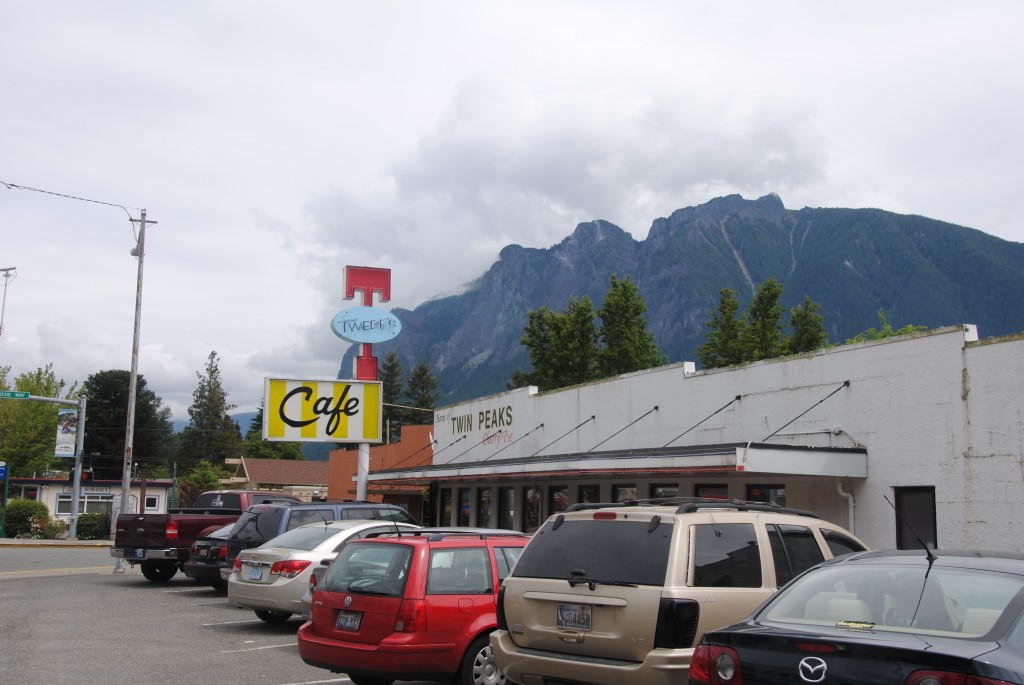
(13, 395)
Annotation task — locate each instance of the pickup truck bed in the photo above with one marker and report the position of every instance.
(160, 543)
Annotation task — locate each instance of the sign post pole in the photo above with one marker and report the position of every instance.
(3, 512)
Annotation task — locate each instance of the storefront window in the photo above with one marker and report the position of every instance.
(664, 490)
(531, 509)
(623, 493)
(87, 504)
(711, 491)
(483, 507)
(589, 494)
(776, 494)
(465, 506)
(558, 498)
(446, 507)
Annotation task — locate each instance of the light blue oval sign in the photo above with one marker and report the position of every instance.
(366, 325)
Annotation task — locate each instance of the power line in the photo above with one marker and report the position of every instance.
(15, 186)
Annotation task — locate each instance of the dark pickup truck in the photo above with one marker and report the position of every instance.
(160, 543)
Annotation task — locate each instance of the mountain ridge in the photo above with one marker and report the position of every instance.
(852, 262)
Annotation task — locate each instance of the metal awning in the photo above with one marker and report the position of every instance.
(753, 457)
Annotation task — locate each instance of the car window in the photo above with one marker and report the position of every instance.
(632, 551)
(399, 515)
(305, 538)
(369, 568)
(218, 500)
(301, 517)
(361, 513)
(259, 523)
(794, 550)
(840, 544)
(506, 558)
(463, 571)
(727, 555)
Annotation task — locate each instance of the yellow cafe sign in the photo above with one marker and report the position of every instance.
(322, 410)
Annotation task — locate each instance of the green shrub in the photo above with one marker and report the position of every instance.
(93, 527)
(26, 518)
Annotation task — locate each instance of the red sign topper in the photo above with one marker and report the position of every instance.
(369, 280)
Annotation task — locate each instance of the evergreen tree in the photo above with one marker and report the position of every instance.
(886, 331)
(392, 377)
(28, 429)
(808, 328)
(724, 344)
(422, 393)
(211, 434)
(257, 448)
(762, 337)
(107, 419)
(628, 345)
(563, 346)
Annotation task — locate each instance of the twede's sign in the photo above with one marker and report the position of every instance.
(322, 410)
(366, 325)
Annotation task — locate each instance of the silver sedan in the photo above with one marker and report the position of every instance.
(271, 578)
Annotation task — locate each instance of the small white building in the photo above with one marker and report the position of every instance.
(912, 437)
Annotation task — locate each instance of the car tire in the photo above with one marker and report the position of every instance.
(220, 585)
(369, 680)
(478, 666)
(159, 573)
(272, 616)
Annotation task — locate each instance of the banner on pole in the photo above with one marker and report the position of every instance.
(319, 410)
(67, 432)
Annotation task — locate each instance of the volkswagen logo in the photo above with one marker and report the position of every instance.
(812, 669)
(348, 603)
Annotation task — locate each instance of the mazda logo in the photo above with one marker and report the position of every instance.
(812, 669)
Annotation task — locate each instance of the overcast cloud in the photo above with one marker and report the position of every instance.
(276, 143)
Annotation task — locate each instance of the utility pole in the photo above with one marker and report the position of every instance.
(139, 252)
(10, 273)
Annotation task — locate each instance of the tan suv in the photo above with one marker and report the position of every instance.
(611, 594)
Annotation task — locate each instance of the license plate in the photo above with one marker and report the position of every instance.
(203, 552)
(574, 616)
(255, 573)
(139, 553)
(349, 620)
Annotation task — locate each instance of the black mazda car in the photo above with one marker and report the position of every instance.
(893, 617)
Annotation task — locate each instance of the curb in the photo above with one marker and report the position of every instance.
(25, 542)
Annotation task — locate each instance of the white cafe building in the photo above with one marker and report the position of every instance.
(921, 432)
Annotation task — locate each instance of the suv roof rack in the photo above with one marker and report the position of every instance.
(435, 534)
(687, 505)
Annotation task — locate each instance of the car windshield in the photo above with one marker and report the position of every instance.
(306, 537)
(957, 602)
(369, 568)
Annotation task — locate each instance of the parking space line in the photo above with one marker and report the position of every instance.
(212, 601)
(254, 649)
(230, 623)
(342, 679)
(188, 589)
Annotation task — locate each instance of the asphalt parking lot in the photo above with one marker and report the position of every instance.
(66, 617)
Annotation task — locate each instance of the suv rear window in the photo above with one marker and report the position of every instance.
(258, 524)
(608, 551)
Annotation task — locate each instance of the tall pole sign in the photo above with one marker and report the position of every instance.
(364, 326)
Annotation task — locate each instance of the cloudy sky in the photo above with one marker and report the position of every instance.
(275, 143)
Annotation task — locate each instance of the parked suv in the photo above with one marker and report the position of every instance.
(611, 594)
(416, 605)
(262, 522)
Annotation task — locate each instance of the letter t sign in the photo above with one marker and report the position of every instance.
(369, 280)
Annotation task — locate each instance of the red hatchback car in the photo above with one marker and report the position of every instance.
(417, 605)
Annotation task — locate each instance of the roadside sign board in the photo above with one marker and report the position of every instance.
(322, 410)
(3, 470)
(13, 395)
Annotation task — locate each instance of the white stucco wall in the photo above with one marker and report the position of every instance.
(935, 409)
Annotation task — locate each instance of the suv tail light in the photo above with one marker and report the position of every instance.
(714, 665)
(412, 616)
(171, 532)
(500, 605)
(677, 623)
(289, 568)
